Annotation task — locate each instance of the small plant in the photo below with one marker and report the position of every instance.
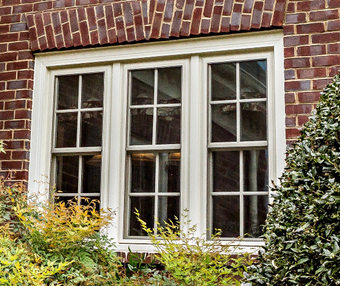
(192, 260)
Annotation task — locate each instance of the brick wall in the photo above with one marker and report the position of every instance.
(311, 40)
(312, 56)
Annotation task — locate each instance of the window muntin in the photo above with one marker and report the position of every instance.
(78, 117)
(238, 147)
(153, 146)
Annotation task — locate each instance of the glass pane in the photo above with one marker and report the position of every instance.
(93, 201)
(141, 126)
(67, 174)
(169, 172)
(255, 208)
(226, 215)
(226, 165)
(169, 125)
(253, 79)
(143, 166)
(66, 199)
(253, 121)
(223, 81)
(169, 85)
(91, 128)
(146, 208)
(92, 90)
(142, 86)
(223, 125)
(66, 130)
(255, 170)
(168, 209)
(91, 173)
(68, 91)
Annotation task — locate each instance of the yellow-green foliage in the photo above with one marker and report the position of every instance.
(193, 260)
(45, 244)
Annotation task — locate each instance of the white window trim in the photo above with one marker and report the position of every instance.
(114, 61)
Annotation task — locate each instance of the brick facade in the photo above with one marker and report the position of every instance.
(311, 39)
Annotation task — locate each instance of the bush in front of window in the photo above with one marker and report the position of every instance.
(46, 244)
(302, 231)
(189, 259)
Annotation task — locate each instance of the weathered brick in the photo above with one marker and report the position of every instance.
(290, 121)
(298, 109)
(296, 40)
(319, 61)
(311, 73)
(310, 28)
(319, 84)
(326, 37)
(324, 15)
(297, 63)
(312, 50)
(297, 85)
(296, 18)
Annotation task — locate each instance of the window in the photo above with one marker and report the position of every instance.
(162, 127)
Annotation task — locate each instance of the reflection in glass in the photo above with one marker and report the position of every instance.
(141, 126)
(67, 173)
(169, 85)
(226, 165)
(91, 173)
(223, 81)
(253, 79)
(142, 86)
(91, 128)
(67, 200)
(67, 92)
(168, 125)
(92, 201)
(255, 208)
(168, 209)
(223, 125)
(226, 215)
(143, 166)
(253, 121)
(169, 172)
(66, 130)
(255, 170)
(92, 90)
(146, 208)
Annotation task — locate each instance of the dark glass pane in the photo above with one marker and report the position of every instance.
(143, 166)
(223, 81)
(255, 213)
(253, 79)
(253, 121)
(226, 215)
(223, 125)
(226, 165)
(169, 172)
(141, 126)
(91, 173)
(68, 92)
(67, 200)
(92, 90)
(169, 85)
(66, 130)
(142, 86)
(92, 201)
(168, 209)
(169, 125)
(255, 170)
(146, 208)
(91, 128)
(67, 174)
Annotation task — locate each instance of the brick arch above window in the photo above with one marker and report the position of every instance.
(144, 20)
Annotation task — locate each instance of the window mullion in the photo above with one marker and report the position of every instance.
(241, 194)
(78, 111)
(80, 178)
(156, 192)
(154, 127)
(238, 105)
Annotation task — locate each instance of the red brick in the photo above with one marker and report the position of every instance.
(15, 124)
(297, 85)
(9, 19)
(11, 165)
(291, 7)
(257, 15)
(18, 27)
(303, 6)
(102, 32)
(295, 40)
(176, 24)
(311, 50)
(302, 120)
(216, 19)
(225, 24)
(42, 43)
(308, 97)
(227, 8)
(139, 27)
(295, 18)
(120, 29)
(9, 37)
(157, 25)
(333, 4)
(292, 133)
(18, 46)
(16, 84)
(24, 36)
(185, 29)
(4, 29)
(333, 71)
(188, 11)
(196, 21)
(289, 74)
(7, 94)
(326, 37)
(288, 52)
(21, 134)
(42, 6)
(20, 94)
(84, 33)
(279, 13)
(310, 28)
(289, 97)
(208, 8)
(128, 14)
(7, 134)
(333, 25)
(290, 121)
(319, 61)
(39, 25)
(319, 84)
(311, 73)
(6, 57)
(100, 11)
(298, 109)
(109, 17)
(5, 76)
(248, 5)
(165, 33)
(288, 29)
(26, 74)
(324, 15)
(297, 63)
(6, 11)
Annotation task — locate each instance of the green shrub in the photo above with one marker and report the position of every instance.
(192, 260)
(302, 231)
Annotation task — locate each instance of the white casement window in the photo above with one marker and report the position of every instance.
(162, 127)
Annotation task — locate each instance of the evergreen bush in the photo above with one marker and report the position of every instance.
(302, 231)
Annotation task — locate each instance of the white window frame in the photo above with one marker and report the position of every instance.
(194, 55)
